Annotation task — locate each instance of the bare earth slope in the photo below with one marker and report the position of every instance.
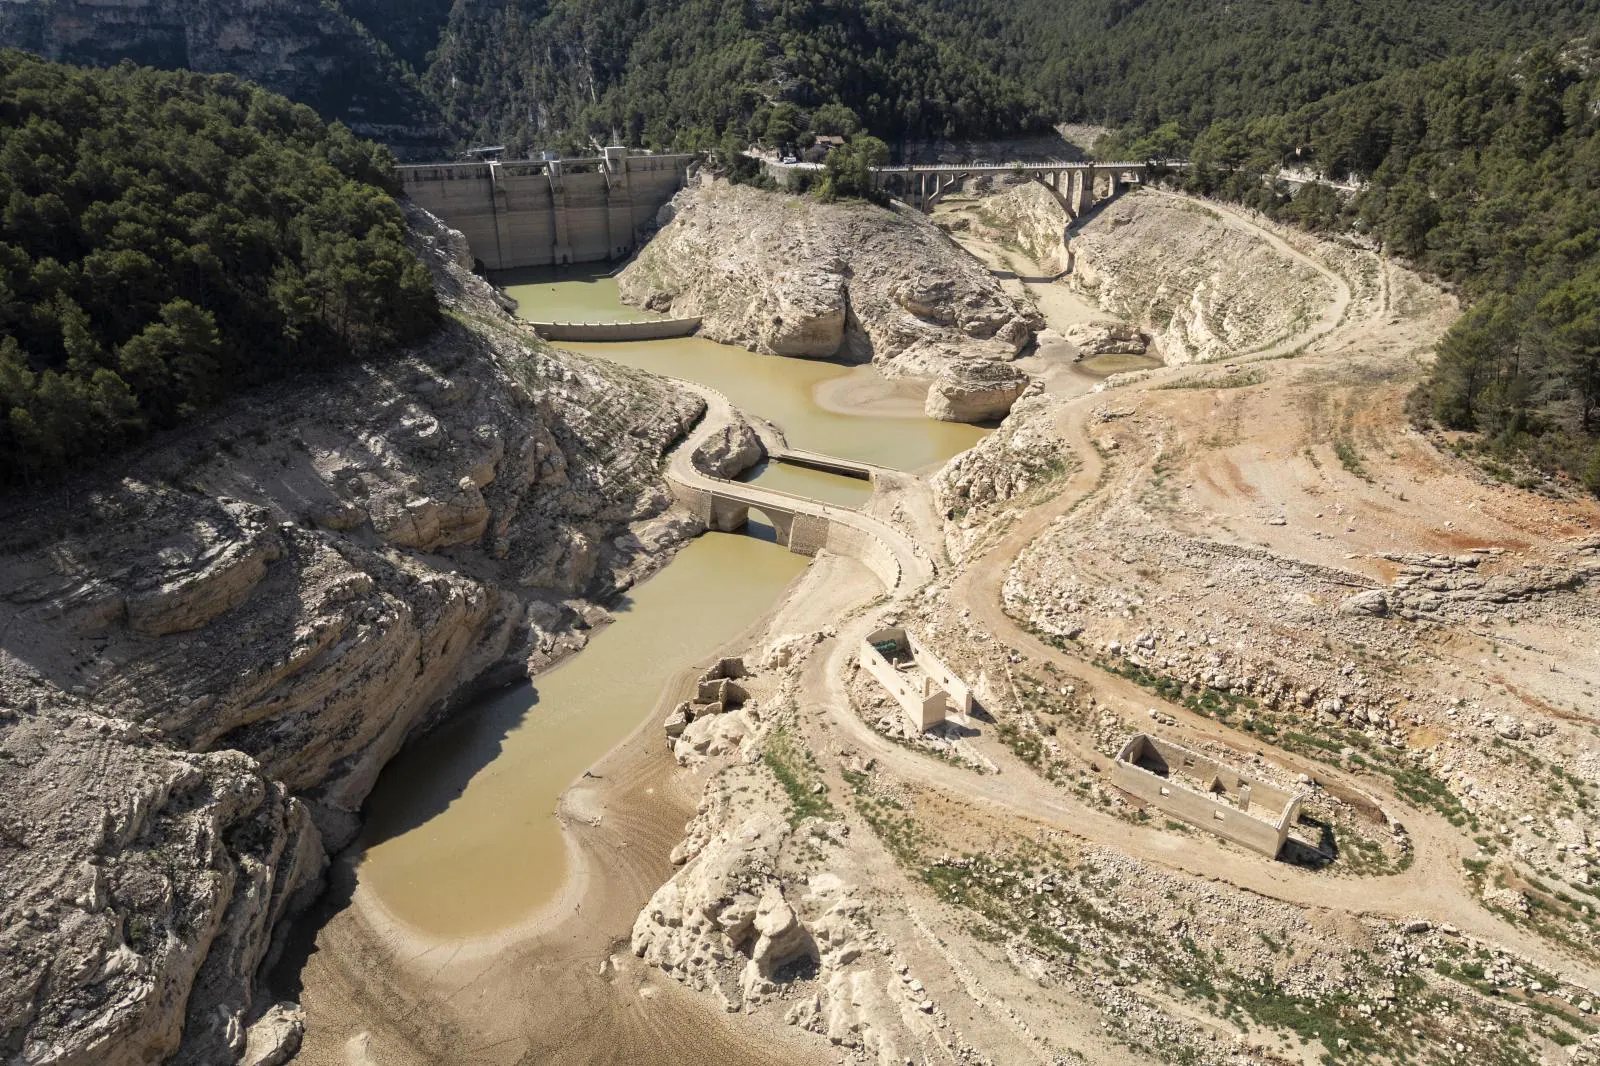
(1205, 287)
(1264, 563)
(790, 276)
(206, 658)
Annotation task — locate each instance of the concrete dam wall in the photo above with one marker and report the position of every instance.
(532, 213)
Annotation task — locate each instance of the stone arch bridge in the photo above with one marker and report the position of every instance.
(804, 525)
(801, 531)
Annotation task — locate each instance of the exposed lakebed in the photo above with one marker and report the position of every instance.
(461, 837)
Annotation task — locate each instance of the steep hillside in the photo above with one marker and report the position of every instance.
(210, 653)
(1194, 61)
(1204, 290)
(313, 52)
(686, 72)
(169, 238)
(1482, 171)
(410, 28)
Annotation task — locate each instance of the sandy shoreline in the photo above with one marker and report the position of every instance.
(864, 390)
(378, 990)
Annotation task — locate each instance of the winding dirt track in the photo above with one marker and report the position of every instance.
(1433, 886)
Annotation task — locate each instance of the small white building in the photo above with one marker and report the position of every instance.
(926, 689)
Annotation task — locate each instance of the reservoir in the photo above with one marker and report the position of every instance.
(779, 389)
(461, 838)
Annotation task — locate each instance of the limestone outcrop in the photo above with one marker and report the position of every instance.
(973, 390)
(730, 451)
(210, 651)
(1107, 337)
(1203, 289)
(1030, 216)
(788, 275)
(1027, 452)
(738, 921)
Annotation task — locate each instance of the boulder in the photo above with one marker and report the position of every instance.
(808, 313)
(1373, 602)
(1107, 338)
(975, 390)
(730, 451)
(275, 1038)
(781, 939)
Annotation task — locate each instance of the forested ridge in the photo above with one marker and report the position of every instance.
(1484, 171)
(687, 73)
(1147, 62)
(168, 238)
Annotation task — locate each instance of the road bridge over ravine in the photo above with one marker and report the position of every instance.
(1079, 186)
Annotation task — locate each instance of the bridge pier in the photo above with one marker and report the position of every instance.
(1085, 184)
(1081, 194)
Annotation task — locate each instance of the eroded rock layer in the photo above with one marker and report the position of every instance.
(1204, 289)
(209, 655)
(788, 275)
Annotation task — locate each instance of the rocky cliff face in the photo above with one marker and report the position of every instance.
(790, 276)
(1203, 289)
(311, 51)
(1028, 452)
(1030, 216)
(208, 656)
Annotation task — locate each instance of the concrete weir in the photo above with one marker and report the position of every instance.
(616, 331)
(549, 212)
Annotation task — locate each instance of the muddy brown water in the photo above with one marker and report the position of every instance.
(1103, 366)
(461, 838)
(782, 390)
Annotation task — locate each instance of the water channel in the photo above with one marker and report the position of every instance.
(461, 838)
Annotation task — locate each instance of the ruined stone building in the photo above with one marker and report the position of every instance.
(1207, 794)
(926, 689)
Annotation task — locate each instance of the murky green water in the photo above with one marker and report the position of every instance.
(568, 294)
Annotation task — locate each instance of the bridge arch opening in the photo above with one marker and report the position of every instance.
(759, 524)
